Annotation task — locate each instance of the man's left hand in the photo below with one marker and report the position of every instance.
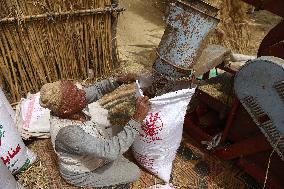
(125, 79)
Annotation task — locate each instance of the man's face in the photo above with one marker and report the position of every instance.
(73, 99)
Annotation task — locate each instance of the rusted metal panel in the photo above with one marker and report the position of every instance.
(255, 169)
(273, 43)
(252, 145)
(187, 26)
(274, 6)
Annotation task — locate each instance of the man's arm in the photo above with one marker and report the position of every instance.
(74, 140)
(96, 91)
(99, 89)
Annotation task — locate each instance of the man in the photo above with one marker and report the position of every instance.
(87, 157)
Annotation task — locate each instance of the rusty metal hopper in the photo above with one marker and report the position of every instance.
(188, 22)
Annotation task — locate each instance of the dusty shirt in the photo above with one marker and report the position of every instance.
(71, 161)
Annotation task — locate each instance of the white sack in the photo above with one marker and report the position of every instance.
(32, 120)
(8, 106)
(13, 152)
(35, 118)
(155, 148)
(7, 181)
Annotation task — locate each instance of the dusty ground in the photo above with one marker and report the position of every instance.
(139, 32)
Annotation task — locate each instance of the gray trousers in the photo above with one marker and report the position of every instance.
(118, 172)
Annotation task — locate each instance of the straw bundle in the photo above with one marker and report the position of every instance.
(233, 31)
(43, 41)
(120, 104)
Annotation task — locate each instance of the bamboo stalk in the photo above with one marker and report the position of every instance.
(109, 42)
(53, 51)
(76, 71)
(60, 65)
(24, 56)
(42, 65)
(86, 43)
(16, 59)
(68, 65)
(35, 56)
(94, 44)
(75, 28)
(81, 59)
(21, 8)
(99, 48)
(40, 51)
(32, 59)
(71, 60)
(72, 67)
(61, 47)
(9, 63)
(49, 54)
(5, 70)
(107, 70)
(103, 63)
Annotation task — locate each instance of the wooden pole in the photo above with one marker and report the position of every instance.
(53, 15)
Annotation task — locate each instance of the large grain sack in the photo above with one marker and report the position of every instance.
(155, 148)
(7, 181)
(8, 106)
(13, 152)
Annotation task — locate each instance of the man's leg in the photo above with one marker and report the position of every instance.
(118, 172)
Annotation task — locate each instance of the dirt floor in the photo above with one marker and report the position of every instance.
(140, 29)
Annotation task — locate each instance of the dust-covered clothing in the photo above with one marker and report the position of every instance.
(87, 156)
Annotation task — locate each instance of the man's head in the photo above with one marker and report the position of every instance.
(63, 98)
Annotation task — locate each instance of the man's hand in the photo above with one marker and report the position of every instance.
(142, 108)
(128, 78)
